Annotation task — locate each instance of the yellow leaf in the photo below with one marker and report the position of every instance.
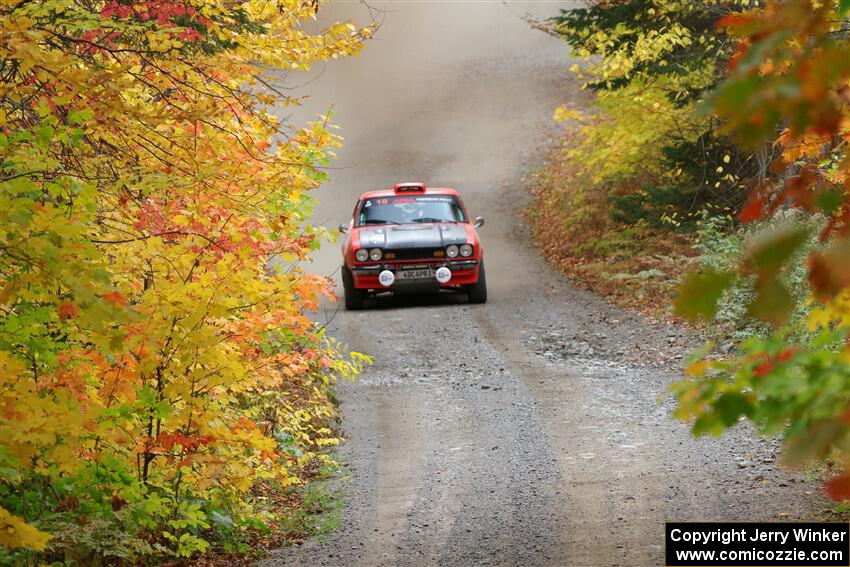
(562, 114)
(698, 368)
(16, 533)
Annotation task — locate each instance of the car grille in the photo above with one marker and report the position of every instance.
(414, 254)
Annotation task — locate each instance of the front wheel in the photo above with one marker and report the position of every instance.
(353, 297)
(478, 291)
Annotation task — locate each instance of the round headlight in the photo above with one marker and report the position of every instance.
(375, 254)
(466, 250)
(451, 251)
(361, 255)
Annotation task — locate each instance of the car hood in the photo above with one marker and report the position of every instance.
(437, 235)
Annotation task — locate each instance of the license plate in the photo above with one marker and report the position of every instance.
(418, 274)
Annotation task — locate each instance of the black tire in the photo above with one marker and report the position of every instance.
(478, 291)
(353, 297)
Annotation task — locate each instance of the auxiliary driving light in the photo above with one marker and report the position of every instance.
(443, 274)
(386, 278)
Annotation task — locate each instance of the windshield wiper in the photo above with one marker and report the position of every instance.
(379, 221)
(432, 219)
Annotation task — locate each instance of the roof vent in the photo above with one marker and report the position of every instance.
(409, 188)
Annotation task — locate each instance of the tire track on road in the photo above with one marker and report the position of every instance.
(613, 496)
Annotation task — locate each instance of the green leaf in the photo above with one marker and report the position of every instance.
(222, 521)
(164, 409)
(707, 424)
(732, 93)
(730, 406)
(815, 442)
(44, 135)
(700, 293)
(843, 6)
(830, 201)
(146, 396)
(80, 116)
(771, 249)
(773, 302)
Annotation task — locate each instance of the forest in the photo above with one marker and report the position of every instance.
(165, 390)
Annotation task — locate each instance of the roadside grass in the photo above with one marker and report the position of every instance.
(817, 472)
(319, 508)
(309, 510)
(635, 266)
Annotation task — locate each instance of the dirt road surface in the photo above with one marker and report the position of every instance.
(526, 431)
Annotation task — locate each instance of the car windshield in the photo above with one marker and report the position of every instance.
(410, 209)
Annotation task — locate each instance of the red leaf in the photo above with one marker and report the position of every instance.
(754, 209)
(787, 353)
(763, 368)
(838, 488)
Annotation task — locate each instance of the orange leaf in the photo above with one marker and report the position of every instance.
(67, 310)
(734, 20)
(829, 271)
(115, 298)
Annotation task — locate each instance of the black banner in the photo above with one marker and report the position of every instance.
(757, 544)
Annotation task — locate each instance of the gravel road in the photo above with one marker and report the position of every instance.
(527, 431)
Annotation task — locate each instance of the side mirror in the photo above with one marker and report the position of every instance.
(343, 227)
(479, 221)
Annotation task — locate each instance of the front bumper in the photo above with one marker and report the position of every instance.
(464, 272)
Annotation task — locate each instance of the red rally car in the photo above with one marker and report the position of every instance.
(411, 238)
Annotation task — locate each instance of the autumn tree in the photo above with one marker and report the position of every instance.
(644, 141)
(156, 369)
(741, 107)
(789, 80)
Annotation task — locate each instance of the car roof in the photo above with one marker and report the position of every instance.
(392, 193)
